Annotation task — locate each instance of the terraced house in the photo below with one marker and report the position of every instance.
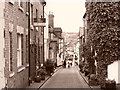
(14, 70)
(55, 42)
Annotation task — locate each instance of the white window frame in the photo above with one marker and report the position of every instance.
(11, 2)
(27, 13)
(20, 7)
(20, 3)
(19, 50)
(10, 31)
(19, 56)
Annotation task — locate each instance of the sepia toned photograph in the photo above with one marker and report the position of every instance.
(59, 44)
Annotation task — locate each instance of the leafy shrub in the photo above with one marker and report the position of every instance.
(50, 65)
(93, 77)
(103, 31)
(41, 71)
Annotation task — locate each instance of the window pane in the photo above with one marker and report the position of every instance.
(10, 62)
(31, 14)
(26, 6)
(19, 50)
(21, 4)
(26, 48)
(18, 41)
(22, 49)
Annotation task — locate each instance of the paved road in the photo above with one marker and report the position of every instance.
(66, 78)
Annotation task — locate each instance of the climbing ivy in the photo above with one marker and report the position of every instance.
(103, 28)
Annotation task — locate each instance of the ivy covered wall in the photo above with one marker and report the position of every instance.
(103, 31)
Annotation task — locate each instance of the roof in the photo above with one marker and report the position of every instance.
(42, 0)
(58, 29)
(57, 32)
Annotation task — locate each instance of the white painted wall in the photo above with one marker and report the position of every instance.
(59, 60)
(46, 46)
(2, 60)
(114, 71)
(46, 50)
(81, 31)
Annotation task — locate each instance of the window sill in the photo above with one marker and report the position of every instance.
(27, 13)
(21, 69)
(21, 9)
(36, 28)
(12, 74)
(11, 2)
(31, 27)
(27, 65)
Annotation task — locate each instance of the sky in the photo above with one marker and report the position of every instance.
(68, 14)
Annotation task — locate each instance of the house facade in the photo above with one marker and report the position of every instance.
(14, 43)
(15, 31)
(55, 41)
(2, 46)
(59, 45)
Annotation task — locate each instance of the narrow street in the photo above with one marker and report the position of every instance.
(66, 78)
(39, 36)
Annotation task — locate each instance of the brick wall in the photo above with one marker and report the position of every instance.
(2, 60)
(36, 33)
(14, 16)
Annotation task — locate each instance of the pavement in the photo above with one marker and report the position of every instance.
(95, 87)
(86, 80)
(66, 78)
(38, 85)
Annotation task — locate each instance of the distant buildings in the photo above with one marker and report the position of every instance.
(55, 42)
(81, 42)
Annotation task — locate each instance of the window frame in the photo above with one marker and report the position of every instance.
(20, 4)
(27, 13)
(10, 52)
(20, 60)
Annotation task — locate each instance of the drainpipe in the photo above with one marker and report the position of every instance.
(43, 4)
(29, 78)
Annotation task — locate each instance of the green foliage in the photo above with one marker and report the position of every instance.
(103, 31)
(41, 71)
(103, 28)
(49, 64)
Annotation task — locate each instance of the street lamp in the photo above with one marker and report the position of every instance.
(43, 4)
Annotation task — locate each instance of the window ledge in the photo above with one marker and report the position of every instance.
(27, 65)
(21, 9)
(21, 69)
(12, 74)
(11, 2)
(32, 27)
(27, 13)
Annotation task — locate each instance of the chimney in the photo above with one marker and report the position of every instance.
(51, 20)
